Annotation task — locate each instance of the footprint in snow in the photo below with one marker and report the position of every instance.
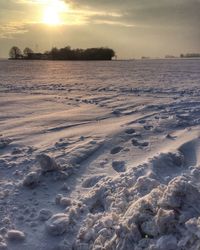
(148, 127)
(130, 131)
(4, 142)
(137, 143)
(164, 117)
(61, 144)
(169, 136)
(142, 121)
(119, 166)
(115, 150)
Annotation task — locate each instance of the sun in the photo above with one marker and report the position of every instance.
(52, 14)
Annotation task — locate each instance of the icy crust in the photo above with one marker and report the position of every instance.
(139, 210)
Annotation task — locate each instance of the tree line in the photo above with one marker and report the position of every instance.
(190, 55)
(65, 53)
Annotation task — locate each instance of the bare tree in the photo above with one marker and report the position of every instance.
(27, 51)
(15, 53)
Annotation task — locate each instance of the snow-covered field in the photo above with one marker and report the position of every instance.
(100, 155)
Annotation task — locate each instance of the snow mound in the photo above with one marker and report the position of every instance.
(47, 163)
(15, 235)
(57, 224)
(31, 180)
(141, 210)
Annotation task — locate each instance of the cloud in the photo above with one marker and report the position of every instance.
(13, 17)
(8, 31)
(147, 12)
(128, 13)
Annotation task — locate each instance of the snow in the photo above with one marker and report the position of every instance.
(31, 180)
(57, 224)
(15, 235)
(44, 214)
(100, 155)
(47, 163)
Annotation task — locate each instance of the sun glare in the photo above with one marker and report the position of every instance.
(53, 12)
(51, 16)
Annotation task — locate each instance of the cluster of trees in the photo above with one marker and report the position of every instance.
(80, 54)
(191, 55)
(63, 54)
(16, 53)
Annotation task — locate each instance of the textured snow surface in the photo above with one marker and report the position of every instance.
(100, 155)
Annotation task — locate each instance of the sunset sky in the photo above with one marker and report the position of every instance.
(133, 28)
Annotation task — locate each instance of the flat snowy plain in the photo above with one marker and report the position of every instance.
(100, 155)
